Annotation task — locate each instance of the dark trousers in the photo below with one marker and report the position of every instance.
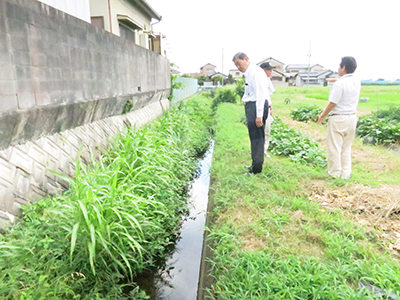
(257, 135)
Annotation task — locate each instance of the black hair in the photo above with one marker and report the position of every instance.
(239, 55)
(350, 63)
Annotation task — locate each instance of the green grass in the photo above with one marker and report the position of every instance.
(269, 241)
(380, 97)
(121, 216)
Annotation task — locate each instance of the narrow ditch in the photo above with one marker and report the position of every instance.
(181, 280)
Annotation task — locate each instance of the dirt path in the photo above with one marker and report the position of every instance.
(378, 209)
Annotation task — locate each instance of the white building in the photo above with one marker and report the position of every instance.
(77, 8)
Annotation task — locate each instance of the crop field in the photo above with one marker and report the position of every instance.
(292, 232)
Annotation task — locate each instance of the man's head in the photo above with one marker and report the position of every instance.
(347, 66)
(241, 61)
(267, 68)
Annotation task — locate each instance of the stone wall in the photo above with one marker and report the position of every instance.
(65, 84)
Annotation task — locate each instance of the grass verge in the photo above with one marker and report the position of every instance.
(270, 241)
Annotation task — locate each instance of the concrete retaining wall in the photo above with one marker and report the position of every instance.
(62, 81)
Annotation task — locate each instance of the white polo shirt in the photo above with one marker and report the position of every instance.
(271, 90)
(345, 93)
(256, 88)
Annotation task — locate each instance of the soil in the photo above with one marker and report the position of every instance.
(376, 208)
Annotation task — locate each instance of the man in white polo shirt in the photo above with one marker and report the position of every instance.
(256, 99)
(342, 108)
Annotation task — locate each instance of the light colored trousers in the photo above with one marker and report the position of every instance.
(267, 133)
(340, 135)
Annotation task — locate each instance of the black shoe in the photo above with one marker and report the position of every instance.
(249, 172)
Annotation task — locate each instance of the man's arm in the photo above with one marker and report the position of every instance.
(327, 110)
(261, 94)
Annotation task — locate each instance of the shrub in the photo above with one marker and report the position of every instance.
(224, 94)
(239, 88)
(290, 142)
(306, 113)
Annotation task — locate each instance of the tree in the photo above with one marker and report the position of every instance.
(230, 79)
(216, 79)
(202, 78)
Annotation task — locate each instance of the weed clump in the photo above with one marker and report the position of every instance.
(306, 113)
(120, 217)
(382, 127)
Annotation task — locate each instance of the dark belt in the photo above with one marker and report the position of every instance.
(343, 114)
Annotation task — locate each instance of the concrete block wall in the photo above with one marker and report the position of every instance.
(65, 84)
(25, 169)
(58, 72)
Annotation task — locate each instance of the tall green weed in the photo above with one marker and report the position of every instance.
(120, 217)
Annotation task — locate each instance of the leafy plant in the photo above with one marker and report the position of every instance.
(175, 84)
(290, 142)
(224, 94)
(306, 113)
(239, 88)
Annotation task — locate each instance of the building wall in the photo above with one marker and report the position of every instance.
(208, 70)
(64, 84)
(121, 7)
(76, 8)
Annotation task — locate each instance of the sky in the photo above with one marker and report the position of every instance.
(212, 31)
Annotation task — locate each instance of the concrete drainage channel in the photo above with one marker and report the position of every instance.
(183, 278)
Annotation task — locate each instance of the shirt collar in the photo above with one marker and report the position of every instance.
(248, 70)
(347, 75)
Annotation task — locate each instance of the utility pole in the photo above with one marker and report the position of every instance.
(308, 73)
(222, 66)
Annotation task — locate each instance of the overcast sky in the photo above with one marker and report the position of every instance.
(204, 31)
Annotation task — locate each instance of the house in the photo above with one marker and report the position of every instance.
(315, 78)
(279, 78)
(207, 69)
(235, 74)
(303, 68)
(77, 8)
(129, 19)
(273, 62)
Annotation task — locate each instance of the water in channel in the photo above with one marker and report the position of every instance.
(182, 279)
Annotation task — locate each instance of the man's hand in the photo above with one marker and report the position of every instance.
(321, 119)
(259, 122)
(270, 110)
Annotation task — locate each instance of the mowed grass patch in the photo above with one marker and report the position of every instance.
(270, 241)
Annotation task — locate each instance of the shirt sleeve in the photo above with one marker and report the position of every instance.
(261, 92)
(336, 93)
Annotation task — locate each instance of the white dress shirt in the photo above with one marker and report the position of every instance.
(345, 93)
(256, 88)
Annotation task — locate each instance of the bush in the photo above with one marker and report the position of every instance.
(306, 113)
(378, 131)
(239, 88)
(224, 94)
(290, 142)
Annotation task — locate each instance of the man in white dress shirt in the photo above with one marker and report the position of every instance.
(342, 109)
(256, 98)
(268, 70)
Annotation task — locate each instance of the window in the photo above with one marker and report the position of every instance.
(126, 32)
(98, 21)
